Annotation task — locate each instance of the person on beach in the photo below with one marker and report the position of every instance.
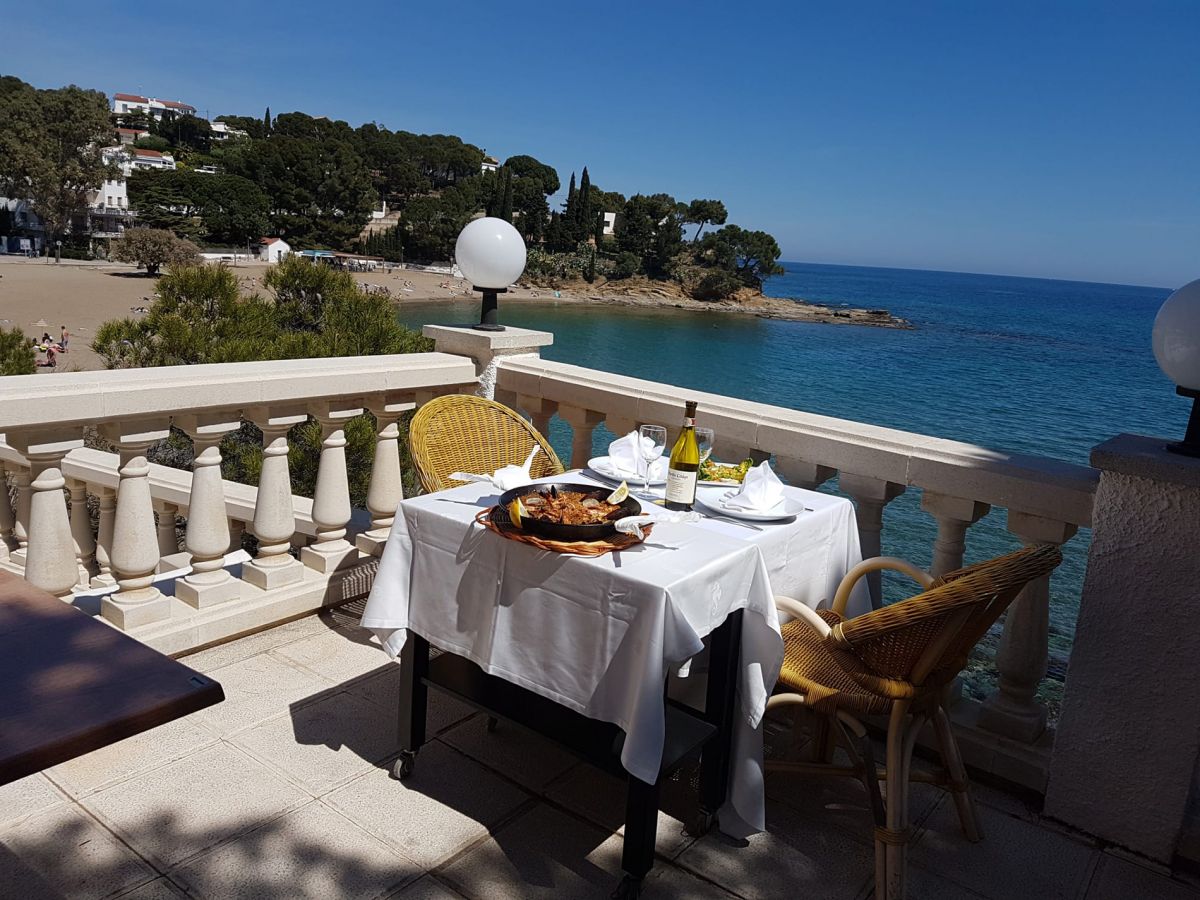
(64, 339)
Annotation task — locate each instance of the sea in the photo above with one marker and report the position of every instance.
(1027, 365)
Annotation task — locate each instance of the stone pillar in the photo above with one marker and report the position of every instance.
(1021, 659)
(50, 561)
(331, 499)
(207, 535)
(1128, 737)
(168, 538)
(583, 423)
(954, 516)
(7, 519)
(870, 495)
(134, 551)
(540, 411)
(81, 531)
(802, 474)
(274, 516)
(387, 481)
(487, 347)
(107, 498)
(21, 479)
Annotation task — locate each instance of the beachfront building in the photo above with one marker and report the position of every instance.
(21, 230)
(108, 213)
(124, 104)
(273, 249)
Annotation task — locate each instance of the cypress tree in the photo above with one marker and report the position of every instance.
(583, 203)
(590, 275)
(267, 122)
(506, 204)
(569, 211)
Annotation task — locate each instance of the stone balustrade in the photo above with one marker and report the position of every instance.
(116, 569)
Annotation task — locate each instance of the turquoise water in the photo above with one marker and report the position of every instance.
(1020, 364)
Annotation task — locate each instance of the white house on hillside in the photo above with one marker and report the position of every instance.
(222, 131)
(489, 164)
(273, 249)
(152, 159)
(151, 106)
(610, 223)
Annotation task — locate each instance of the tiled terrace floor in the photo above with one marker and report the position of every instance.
(282, 792)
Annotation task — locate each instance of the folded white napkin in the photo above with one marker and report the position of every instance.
(633, 524)
(761, 490)
(625, 456)
(506, 477)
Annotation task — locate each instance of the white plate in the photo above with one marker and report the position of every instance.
(713, 498)
(602, 465)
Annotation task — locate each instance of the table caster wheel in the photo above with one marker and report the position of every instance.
(630, 888)
(404, 765)
(701, 824)
(492, 724)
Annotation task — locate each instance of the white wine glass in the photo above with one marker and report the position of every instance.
(704, 440)
(652, 442)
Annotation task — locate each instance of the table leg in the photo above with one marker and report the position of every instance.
(414, 695)
(720, 703)
(641, 826)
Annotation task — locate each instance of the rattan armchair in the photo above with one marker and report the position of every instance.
(464, 433)
(899, 662)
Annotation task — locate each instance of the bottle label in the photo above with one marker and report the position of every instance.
(688, 422)
(681, 487)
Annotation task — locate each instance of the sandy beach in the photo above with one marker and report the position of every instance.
(40, 297)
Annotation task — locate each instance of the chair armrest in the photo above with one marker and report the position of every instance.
(798, 610)
(842, 597)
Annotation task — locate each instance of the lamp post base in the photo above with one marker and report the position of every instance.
(489, 312)
(1190, 445)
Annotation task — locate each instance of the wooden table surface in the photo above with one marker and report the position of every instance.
(70, 683)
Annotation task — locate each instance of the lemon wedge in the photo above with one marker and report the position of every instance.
(515, 510)
(619, 495)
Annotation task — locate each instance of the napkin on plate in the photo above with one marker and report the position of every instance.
(626, 459)
(506, 477)
(761, 490)
(633, 524)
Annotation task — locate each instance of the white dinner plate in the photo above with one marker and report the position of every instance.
(602, 465)
(713, 498)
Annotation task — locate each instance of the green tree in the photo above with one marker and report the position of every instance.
(583, 212)
(16, 353)
(705, 212)
(751, 255)
(266, 123)
(506, 204)
(527, 167)
(52, 149)
(153, 142)
(154, 248)
(186, 132)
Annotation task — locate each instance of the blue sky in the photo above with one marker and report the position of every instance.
(1052, 139)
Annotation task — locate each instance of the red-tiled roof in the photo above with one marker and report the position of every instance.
(140, 152)
(175, 104)
(268, 240)
(132, 131)
(133, 97)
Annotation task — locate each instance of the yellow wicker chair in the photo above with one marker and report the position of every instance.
(464, 433)
(896, 661)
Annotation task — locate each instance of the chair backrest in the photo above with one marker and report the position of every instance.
(926, 639)
(464, 433)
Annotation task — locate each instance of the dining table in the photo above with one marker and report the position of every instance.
(582, 648)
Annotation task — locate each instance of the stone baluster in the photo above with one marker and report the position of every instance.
(107, 498)
(50, 562)
(22, 478)
(81, 531)
(168, 537)
(583, 423)
(7, 519)
(1021, 659)
(387, 481)
(870, 495)
(207, 534)
(540, 411)
(802, 474)
(274, 516)
(620, 426)
(954, 516)
(133, 554)
(331, 500)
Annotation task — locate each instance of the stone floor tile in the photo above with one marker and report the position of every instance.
(181, 809)
(796, 856)
(600, 798)
(516, 753)
(254, 644)
(118, 761)
(1016, 859)
(383, 689)
(72, 852)
(926, 885)
(340, 655)
(257, 689)
(427, 888)
(159, 889)
(26, 796)
(1117, 879)
(312, 853)
(323, 744)
(668, 882)
(18, 879)
(447, 803)
(544, 853)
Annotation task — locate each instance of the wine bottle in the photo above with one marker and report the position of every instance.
(685, 464)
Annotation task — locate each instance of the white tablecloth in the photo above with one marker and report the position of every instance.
(599, 635)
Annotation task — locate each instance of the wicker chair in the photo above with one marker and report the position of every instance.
(897, 661)
(464, 433)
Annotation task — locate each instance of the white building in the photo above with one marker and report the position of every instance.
(223, 131)
(151, 106)
(489, 164)
(151, 159)
(128, 136)
(273, 249)
(610, 223)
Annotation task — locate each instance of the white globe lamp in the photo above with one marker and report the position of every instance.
(1177, 349)
(491, 253)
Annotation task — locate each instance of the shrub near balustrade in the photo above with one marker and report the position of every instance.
(16, 353)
